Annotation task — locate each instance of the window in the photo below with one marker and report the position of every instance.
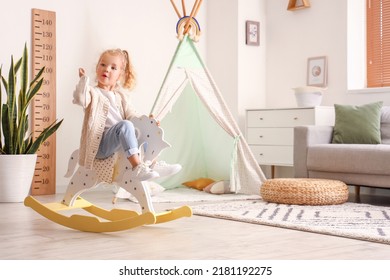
(378, 43)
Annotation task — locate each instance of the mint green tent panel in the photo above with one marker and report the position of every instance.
(198, 143)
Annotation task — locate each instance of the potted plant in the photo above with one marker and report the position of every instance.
(17, 146)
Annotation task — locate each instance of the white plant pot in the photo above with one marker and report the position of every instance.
(308, 99)
(308, 96)
(16, 175)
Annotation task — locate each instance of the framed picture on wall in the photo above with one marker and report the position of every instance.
(252, 33)
(317, 71)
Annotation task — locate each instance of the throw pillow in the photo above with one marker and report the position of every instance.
(219, 187)
(199, 184)
(357, 124)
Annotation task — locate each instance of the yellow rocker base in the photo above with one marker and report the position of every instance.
(116, 219)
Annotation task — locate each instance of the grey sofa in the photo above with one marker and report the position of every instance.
(354, 164)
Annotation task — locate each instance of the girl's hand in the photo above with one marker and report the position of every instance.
(81, 72)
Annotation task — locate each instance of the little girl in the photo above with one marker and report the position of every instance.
(107, 125)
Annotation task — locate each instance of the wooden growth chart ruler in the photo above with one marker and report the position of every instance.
(44, 104)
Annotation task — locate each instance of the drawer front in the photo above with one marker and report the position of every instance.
(271, 136)
(280, 118)
(273, 155)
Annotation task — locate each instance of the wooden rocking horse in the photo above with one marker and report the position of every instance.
(114, 170)
(117, 170)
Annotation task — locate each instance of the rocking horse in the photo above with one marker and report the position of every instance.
(115, 170)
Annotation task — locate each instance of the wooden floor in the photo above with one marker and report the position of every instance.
(25, 235)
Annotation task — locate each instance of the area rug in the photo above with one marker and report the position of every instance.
(184, 194)
(351, 220)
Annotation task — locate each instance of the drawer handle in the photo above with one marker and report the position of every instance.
(296, 118)
(261, 154)
(261, 119)
(260, 136)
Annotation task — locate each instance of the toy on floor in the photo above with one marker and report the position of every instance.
(115, 170)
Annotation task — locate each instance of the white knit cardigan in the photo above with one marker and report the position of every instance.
(95, 106)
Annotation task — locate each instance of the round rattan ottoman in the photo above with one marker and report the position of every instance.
(304, 191)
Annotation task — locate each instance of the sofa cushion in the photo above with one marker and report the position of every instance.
(385, 125)
(349, 158)
(357, 124)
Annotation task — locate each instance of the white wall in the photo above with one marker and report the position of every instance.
(292, 37)
(251, 59)
(238, 69)
(84, 29)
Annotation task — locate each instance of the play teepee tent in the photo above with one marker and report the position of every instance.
(204, 136)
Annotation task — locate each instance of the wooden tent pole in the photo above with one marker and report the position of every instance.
(183, 5)
(194, 8)
(176, 10)
(197, 8)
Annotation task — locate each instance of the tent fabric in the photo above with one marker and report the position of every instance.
(187, 73)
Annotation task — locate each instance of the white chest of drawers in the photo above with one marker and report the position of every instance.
(270, 132)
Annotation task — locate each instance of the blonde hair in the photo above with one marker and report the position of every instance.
(128, 78)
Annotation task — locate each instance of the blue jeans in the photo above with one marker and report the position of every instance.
(120, 136)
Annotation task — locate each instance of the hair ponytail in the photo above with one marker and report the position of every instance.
(129, 75)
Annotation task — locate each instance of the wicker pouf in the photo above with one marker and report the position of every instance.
(304, 191)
